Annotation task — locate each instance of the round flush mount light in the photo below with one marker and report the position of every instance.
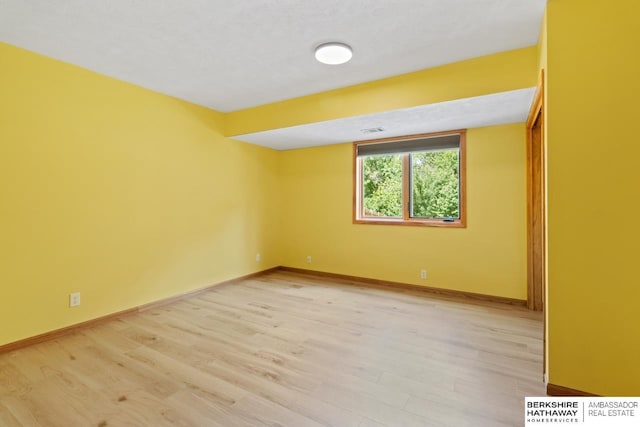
(333, 53)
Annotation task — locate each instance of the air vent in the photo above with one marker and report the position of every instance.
(372, 130)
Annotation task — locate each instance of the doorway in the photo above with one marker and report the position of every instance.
(536, 218)
(536, 212)
(536, 209)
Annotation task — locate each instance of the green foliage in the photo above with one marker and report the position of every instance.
(435, 184)
(435, 192)
(382, 185)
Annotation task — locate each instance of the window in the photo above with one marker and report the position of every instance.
(411, 180)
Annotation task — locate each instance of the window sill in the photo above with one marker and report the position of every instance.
(411, 222)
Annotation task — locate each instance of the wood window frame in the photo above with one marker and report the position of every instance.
(406, 220)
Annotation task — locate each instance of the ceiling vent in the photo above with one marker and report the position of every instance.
(372, 130)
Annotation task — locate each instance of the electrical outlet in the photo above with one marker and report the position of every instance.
(423, 274)
(74, 299)
(258, 257)
(308, 259)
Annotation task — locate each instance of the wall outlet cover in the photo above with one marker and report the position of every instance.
(74, 299)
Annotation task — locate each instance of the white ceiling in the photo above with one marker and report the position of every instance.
(489, 110)
(233, 54)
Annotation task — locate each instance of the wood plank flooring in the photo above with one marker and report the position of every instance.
(285, 350)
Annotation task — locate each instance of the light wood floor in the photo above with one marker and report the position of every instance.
(284, 350)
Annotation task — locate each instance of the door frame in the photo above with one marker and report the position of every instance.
(536, 249)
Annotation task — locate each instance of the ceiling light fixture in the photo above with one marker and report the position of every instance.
(334, 53)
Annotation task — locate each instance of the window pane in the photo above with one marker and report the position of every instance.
(435, 184)
(382, 186)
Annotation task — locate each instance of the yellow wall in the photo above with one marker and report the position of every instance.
(500, 72)
(125, 195)
(488, 257)
(594, 291)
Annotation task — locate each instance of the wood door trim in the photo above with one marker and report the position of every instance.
(537, 103)
(536, 113)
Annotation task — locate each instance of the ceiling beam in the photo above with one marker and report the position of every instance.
(500, 72)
